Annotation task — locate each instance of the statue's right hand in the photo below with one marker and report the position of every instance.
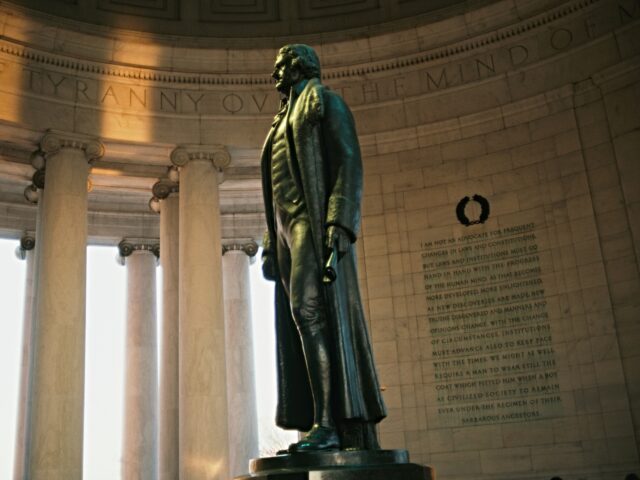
(269, 270)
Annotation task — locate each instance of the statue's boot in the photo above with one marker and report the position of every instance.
(318, 439)
(323, 435)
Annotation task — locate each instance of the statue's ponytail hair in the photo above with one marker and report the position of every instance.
(304, 58)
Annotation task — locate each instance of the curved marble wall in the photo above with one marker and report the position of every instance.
(501, 233)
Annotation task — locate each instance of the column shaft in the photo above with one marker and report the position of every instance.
(55, 437)
(139, 446)
(203, 398)
(243, 428)
(28, 344)
(168, 418)
(25, 369)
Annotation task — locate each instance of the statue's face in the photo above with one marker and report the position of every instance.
(285, 75)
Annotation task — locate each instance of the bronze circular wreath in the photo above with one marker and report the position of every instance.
(484, 210)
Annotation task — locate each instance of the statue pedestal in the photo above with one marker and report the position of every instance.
(339, 465)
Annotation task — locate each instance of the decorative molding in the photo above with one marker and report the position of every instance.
(468, 46)
(136, 73)
(462, 47)
(53, 141)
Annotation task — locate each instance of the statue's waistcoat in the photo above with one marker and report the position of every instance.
(287, 195)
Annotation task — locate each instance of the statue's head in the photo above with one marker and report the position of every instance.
(294, 63)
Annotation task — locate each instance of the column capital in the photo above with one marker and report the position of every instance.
(31, 193)
(27, 242)
(217, 154)
(249, 247)
(38, 177)
(54, 140)
(161, 190)
(164, 187)
(129, 245)
(37, 159)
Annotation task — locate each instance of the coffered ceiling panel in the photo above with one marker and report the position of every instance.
(249, 11)
(169, 9)
(332, 8)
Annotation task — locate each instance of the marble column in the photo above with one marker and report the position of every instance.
(55, 425)
(166, 195)
(202, 374)
(241, 393)
(25, 251)
(33, 195)
(140, 432)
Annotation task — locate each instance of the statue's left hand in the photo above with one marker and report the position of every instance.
(269, 269)
(338, 237)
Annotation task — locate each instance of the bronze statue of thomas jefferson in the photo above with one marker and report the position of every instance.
(312, 183)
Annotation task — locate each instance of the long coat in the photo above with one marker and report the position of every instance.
(324, 156)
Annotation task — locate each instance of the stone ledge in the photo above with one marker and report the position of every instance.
(321, 460)
(339, 465)
(407, 471)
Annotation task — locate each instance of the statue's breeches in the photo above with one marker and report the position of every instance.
(299, 271)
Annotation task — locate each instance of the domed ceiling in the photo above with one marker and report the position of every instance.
(246, 18)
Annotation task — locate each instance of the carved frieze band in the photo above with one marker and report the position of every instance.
(250, 248)
(461, 47)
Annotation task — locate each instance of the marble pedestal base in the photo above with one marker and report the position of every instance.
(342, 465)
